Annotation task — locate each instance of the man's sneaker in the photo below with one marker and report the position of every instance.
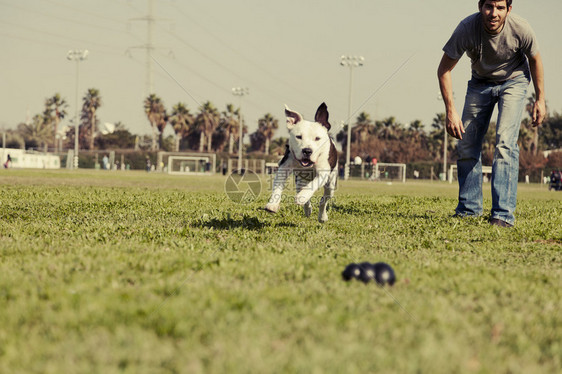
(500, 223)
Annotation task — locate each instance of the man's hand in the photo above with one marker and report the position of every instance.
(454, 124)
(539, 112)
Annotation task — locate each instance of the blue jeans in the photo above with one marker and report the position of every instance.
(481, 98)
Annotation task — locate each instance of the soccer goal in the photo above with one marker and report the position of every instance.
(191, 165)
(486, 173)
(389, 172)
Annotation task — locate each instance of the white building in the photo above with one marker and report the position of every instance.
(29, 160)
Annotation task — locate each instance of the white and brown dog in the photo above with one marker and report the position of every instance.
(312, 156)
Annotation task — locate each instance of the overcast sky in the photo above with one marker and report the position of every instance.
(284, 52)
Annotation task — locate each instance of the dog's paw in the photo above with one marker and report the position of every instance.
(272, 207)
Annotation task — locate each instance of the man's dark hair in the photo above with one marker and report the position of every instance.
(481, 2)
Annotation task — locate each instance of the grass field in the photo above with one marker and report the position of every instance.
(105, 272)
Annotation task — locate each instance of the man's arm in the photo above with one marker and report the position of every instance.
(453, 121)
(537, 73)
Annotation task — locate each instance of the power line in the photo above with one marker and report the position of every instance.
(42, 42)
(53, 16)
(201, 76)
(242, 56)
(183, 66)
(82, 11)
(43, 32)
(250, 82)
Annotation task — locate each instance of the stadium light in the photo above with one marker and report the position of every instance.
(239, 91)
(351, 62)
(76, 55)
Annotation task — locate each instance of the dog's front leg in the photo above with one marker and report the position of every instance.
(300, 184)
(308, 190)
(329, 189)
(277, 189)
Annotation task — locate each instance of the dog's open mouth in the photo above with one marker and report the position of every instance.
(306, 162)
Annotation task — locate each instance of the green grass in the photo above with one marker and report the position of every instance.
(132, 272)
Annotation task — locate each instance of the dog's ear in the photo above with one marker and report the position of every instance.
(322, 116)
(292, 117)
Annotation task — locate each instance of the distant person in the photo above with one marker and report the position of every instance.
(555, 180)
(504, 55)
(8, 162)
(148, 164)
(105, 161)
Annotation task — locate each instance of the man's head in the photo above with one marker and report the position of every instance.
(494, 13)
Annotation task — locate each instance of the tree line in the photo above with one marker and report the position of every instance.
(207, 130)
(213, 131)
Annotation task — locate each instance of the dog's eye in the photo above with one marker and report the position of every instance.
(317, 138)
(298, 137)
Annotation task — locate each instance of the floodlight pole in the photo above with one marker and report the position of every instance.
(76, 55)
(239, 91)
(351, 62)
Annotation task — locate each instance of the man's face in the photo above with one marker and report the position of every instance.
(494, 14)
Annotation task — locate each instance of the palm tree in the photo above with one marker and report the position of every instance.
(156, 114)
(37, 132)
(363, 128)
(206, 122)
(92, 101)
(399, 131)
(388, 128)
(416, 130)
(230, 124)
(437, 136)
(257, 141)
(267, 126)
(182, 121)
(55, 108)
(414, 137)
(160, 126)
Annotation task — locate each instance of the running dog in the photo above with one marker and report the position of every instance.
(312, 156)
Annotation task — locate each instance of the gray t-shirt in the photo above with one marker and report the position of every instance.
(494, 57)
